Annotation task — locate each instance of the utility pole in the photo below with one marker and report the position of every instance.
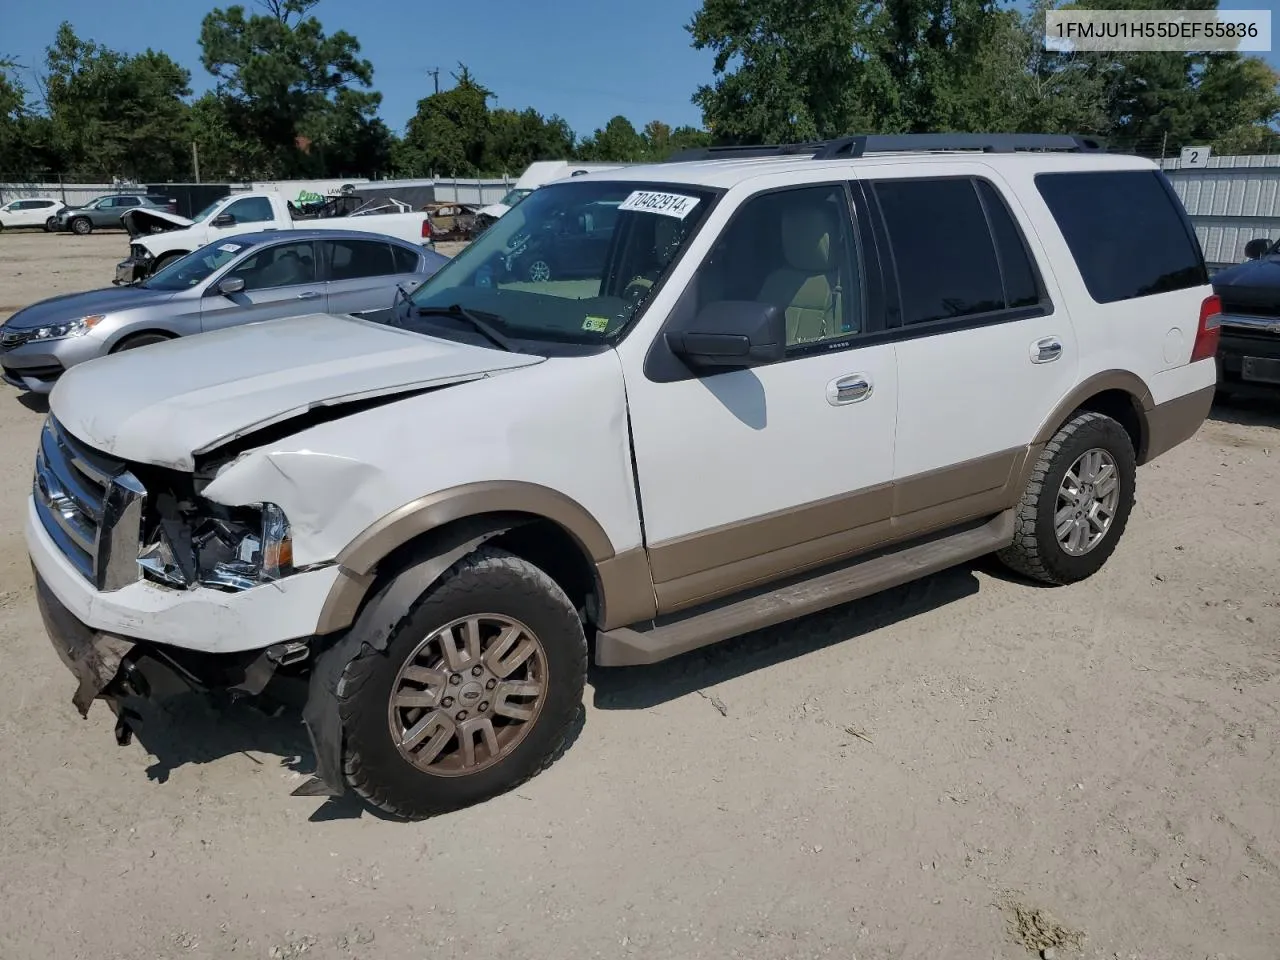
(195, 159)
(435, 75)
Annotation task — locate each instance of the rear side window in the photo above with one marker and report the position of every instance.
(1126, 231)
(942, 248)
(406, 260)
(356, 259)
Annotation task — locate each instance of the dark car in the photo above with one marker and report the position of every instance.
(105, 212)
(1249, 348)
(573, 246)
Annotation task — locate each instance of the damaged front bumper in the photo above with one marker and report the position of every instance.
(119, 670)
(133, 269)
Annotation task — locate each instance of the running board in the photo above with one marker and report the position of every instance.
(627, 646)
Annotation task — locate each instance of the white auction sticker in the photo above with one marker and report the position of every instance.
(229, 247)
(668, 204)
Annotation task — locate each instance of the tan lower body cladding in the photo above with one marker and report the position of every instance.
(739, 556)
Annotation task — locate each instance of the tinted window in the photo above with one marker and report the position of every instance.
(251, 210)
(1021, 288)
(794, 249)
(944, 253)
(406, 259)
(284, 265)
(128, 202)
(353, 259)
(1126, 232)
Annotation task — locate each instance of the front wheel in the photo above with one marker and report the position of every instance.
(478, 687)
(1076, 504)
(81, 226)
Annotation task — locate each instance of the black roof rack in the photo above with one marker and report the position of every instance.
(858, 145)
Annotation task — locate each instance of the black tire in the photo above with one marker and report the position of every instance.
(51, 225)
(82, 226)
(488, 581)
(140, 340)
(1, 228)
(1036, 551)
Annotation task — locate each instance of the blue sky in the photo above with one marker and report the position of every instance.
(584, 59)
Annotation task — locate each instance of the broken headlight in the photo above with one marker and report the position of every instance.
(225, 548)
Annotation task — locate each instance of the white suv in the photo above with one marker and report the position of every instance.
(777, 380)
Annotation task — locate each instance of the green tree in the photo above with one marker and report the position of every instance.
(618, 142)
(518, 138)
(449, 134)
(785, 70)
(298, 98)
(111, 114)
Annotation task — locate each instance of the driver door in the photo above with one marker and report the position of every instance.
(279, 281)
(752, 474)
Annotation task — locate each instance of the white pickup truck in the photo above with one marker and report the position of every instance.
(160, 237)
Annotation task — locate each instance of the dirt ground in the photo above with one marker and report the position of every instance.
(970, 767)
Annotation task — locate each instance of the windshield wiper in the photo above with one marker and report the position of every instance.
(486, 329)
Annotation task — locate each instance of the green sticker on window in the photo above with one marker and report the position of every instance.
(595, 324)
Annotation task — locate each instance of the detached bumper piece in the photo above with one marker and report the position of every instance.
(118, 670)
(105, 666)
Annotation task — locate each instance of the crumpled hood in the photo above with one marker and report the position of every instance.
(167, 403)
(1255, 283)
(141, 221)
(73, 306)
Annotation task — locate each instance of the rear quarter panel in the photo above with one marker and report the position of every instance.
(1150, 336)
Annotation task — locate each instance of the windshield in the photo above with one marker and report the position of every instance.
(196, 267)
(207, 210)
(572, 263)
(514, 197)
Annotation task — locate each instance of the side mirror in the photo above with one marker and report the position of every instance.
(231, 285)
(730, 334)
(224, 220)
(1257, 248)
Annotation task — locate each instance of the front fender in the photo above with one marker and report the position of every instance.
(313, 489)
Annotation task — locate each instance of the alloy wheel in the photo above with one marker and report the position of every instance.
(467, 695)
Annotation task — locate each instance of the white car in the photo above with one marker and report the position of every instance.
(31, 212)
(793, 380)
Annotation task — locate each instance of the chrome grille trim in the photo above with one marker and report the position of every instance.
(91, 507)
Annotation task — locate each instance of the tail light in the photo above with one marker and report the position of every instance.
(426, 229)
(1206, 345)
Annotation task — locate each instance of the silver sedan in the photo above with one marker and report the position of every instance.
(235, 280)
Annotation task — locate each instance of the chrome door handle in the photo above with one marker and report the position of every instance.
(1046, 350)
(850, 389)
(308, 295)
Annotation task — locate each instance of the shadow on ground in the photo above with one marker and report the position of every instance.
(637, 688)
(35, 402)
(1262, 410)
(186, 729)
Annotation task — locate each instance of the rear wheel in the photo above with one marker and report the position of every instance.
(1076, 504)
(51, 225)
(140, 340)
(475, 693)
(82, 226)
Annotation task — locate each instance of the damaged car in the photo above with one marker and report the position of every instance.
(436, 524)
(240, 279)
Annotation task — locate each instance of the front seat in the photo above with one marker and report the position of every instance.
(808, 286)
(285, 271)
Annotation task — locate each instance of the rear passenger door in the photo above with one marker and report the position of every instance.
(362, 274)
(985, 349)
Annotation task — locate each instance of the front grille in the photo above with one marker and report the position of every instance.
(91, 506)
